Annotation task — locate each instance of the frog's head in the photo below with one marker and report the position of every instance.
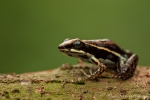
(72, 47)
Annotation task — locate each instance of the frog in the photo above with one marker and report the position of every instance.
(100, 52)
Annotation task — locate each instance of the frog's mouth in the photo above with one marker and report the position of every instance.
(72, 52)
(64, 50)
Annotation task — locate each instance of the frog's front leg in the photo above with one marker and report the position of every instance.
(99, 71)
(127, 68)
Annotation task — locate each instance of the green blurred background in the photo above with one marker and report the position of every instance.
(31, 30)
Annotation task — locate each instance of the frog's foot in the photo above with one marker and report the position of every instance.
(87, 76)
(94, 75)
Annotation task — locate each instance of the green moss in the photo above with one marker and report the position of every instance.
(69, 85)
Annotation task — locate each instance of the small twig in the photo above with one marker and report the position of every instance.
(64, 82)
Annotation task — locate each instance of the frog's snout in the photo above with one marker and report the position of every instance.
(60, 46)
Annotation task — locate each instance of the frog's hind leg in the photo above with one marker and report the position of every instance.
(127, 69)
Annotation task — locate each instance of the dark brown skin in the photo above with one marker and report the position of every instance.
(93, 50)
(103, 53)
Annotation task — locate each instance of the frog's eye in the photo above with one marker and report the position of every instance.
(77, 44)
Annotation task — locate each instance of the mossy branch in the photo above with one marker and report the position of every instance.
(67, 83)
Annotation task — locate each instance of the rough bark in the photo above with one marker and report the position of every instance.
(67, 83)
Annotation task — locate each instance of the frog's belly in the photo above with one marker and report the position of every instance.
(107, 61)
(104, 61)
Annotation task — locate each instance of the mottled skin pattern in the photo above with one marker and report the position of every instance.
(99, 52)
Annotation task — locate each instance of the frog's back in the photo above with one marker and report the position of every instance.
(106, 43)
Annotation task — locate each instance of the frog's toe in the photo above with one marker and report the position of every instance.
(87, 76)
(123, 75)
